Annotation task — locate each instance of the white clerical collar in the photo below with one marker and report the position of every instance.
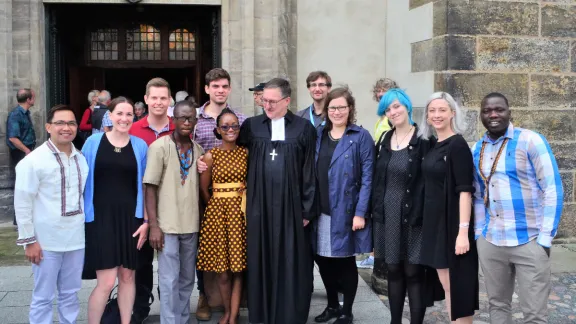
(278, 133)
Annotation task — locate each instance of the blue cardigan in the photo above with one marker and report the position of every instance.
(89, 150)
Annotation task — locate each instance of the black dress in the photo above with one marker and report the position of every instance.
(434, 220)
(109, 241)
(448, 170)
(397, 241)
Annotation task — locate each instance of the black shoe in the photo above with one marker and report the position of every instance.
(328, 314)
(138, 318)
(344, 319)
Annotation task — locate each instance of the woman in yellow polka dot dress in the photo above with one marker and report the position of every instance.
(223, 234)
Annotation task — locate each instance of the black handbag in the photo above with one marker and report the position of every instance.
(111, 313)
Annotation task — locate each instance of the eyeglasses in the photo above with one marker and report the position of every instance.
(319, 85)
(184, 119)
(339, 108)
(228, 127)
(272, 103)
(61, 123)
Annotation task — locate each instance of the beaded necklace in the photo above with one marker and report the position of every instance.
(185, 160)
(486, 179)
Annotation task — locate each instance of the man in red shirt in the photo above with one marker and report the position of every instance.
(157, 123)
(150, 128)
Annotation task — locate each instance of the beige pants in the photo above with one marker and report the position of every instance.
(530, 264)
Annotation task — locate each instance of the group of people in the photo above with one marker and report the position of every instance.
(259, 200)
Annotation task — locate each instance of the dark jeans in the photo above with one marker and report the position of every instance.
(144, 280)
(15, 157)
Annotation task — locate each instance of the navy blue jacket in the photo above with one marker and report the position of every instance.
(350, 186)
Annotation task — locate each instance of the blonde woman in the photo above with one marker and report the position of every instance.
(447, 238)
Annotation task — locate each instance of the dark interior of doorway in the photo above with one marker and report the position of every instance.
(131, 83)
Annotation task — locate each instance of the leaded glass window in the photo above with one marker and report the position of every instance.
(104, 44)
(182, 45)
(143, 43)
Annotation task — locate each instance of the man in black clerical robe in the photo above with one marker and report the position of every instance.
(280, 198)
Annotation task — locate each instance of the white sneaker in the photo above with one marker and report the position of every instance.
(367, 263)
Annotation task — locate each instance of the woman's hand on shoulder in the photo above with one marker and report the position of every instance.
(203, 162)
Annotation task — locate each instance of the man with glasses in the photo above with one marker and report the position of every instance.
(319, 84)
(281, 188)
(258, 91)
(156, 124)
(172, 196)
(50, 212)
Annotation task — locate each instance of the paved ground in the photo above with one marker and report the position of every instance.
(561, 303)
(16, 285)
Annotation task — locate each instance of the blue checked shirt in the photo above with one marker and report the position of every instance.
(525, 192)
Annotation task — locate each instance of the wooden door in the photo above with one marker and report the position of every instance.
(82, 81)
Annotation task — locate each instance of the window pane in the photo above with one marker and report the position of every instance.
(146, 42)
(104, 45)
(181, 46)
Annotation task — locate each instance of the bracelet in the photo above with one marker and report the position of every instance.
(464, 225)
(145, 221)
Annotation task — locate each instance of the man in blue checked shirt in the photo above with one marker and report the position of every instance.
(518, 205)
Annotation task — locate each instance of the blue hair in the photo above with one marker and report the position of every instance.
(392, 95)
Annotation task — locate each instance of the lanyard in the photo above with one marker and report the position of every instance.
(312, 116)
(492, 171)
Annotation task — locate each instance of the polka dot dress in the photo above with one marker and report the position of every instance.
(223, 231)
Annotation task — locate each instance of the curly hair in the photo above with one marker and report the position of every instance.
(384, 84)
(342, 92)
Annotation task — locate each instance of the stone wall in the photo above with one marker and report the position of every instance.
(525, 50)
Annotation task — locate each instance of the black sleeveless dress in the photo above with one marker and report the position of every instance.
(109, 241)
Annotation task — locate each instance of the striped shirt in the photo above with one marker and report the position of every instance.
(204, 132)
(525, 193)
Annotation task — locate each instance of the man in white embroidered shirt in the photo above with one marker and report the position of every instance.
(518, 205)
(50, 213)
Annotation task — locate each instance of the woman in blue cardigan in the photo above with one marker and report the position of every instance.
(116, 225)
(344, 158)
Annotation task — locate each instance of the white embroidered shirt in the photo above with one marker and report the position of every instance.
(48, 198)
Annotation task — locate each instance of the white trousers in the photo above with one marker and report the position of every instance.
(60, 271)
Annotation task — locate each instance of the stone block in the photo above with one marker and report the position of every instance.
(470, 88)
(20, 41)
(568, 182)
(573, 56)
(417, 3)
(564, 153)
(471, 119)
(555, 125)
(567, 227)
(474, 17)
(553, 91)
(523, 54)
(558, 20)
(23, 64)
(440, 18)
(444, 53)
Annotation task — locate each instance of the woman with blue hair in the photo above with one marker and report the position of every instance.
(397, 205)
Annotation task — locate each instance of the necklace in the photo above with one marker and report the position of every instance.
(332, 138)
(185, 160)
(117, 149)
(402, 141)
(485, 178)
